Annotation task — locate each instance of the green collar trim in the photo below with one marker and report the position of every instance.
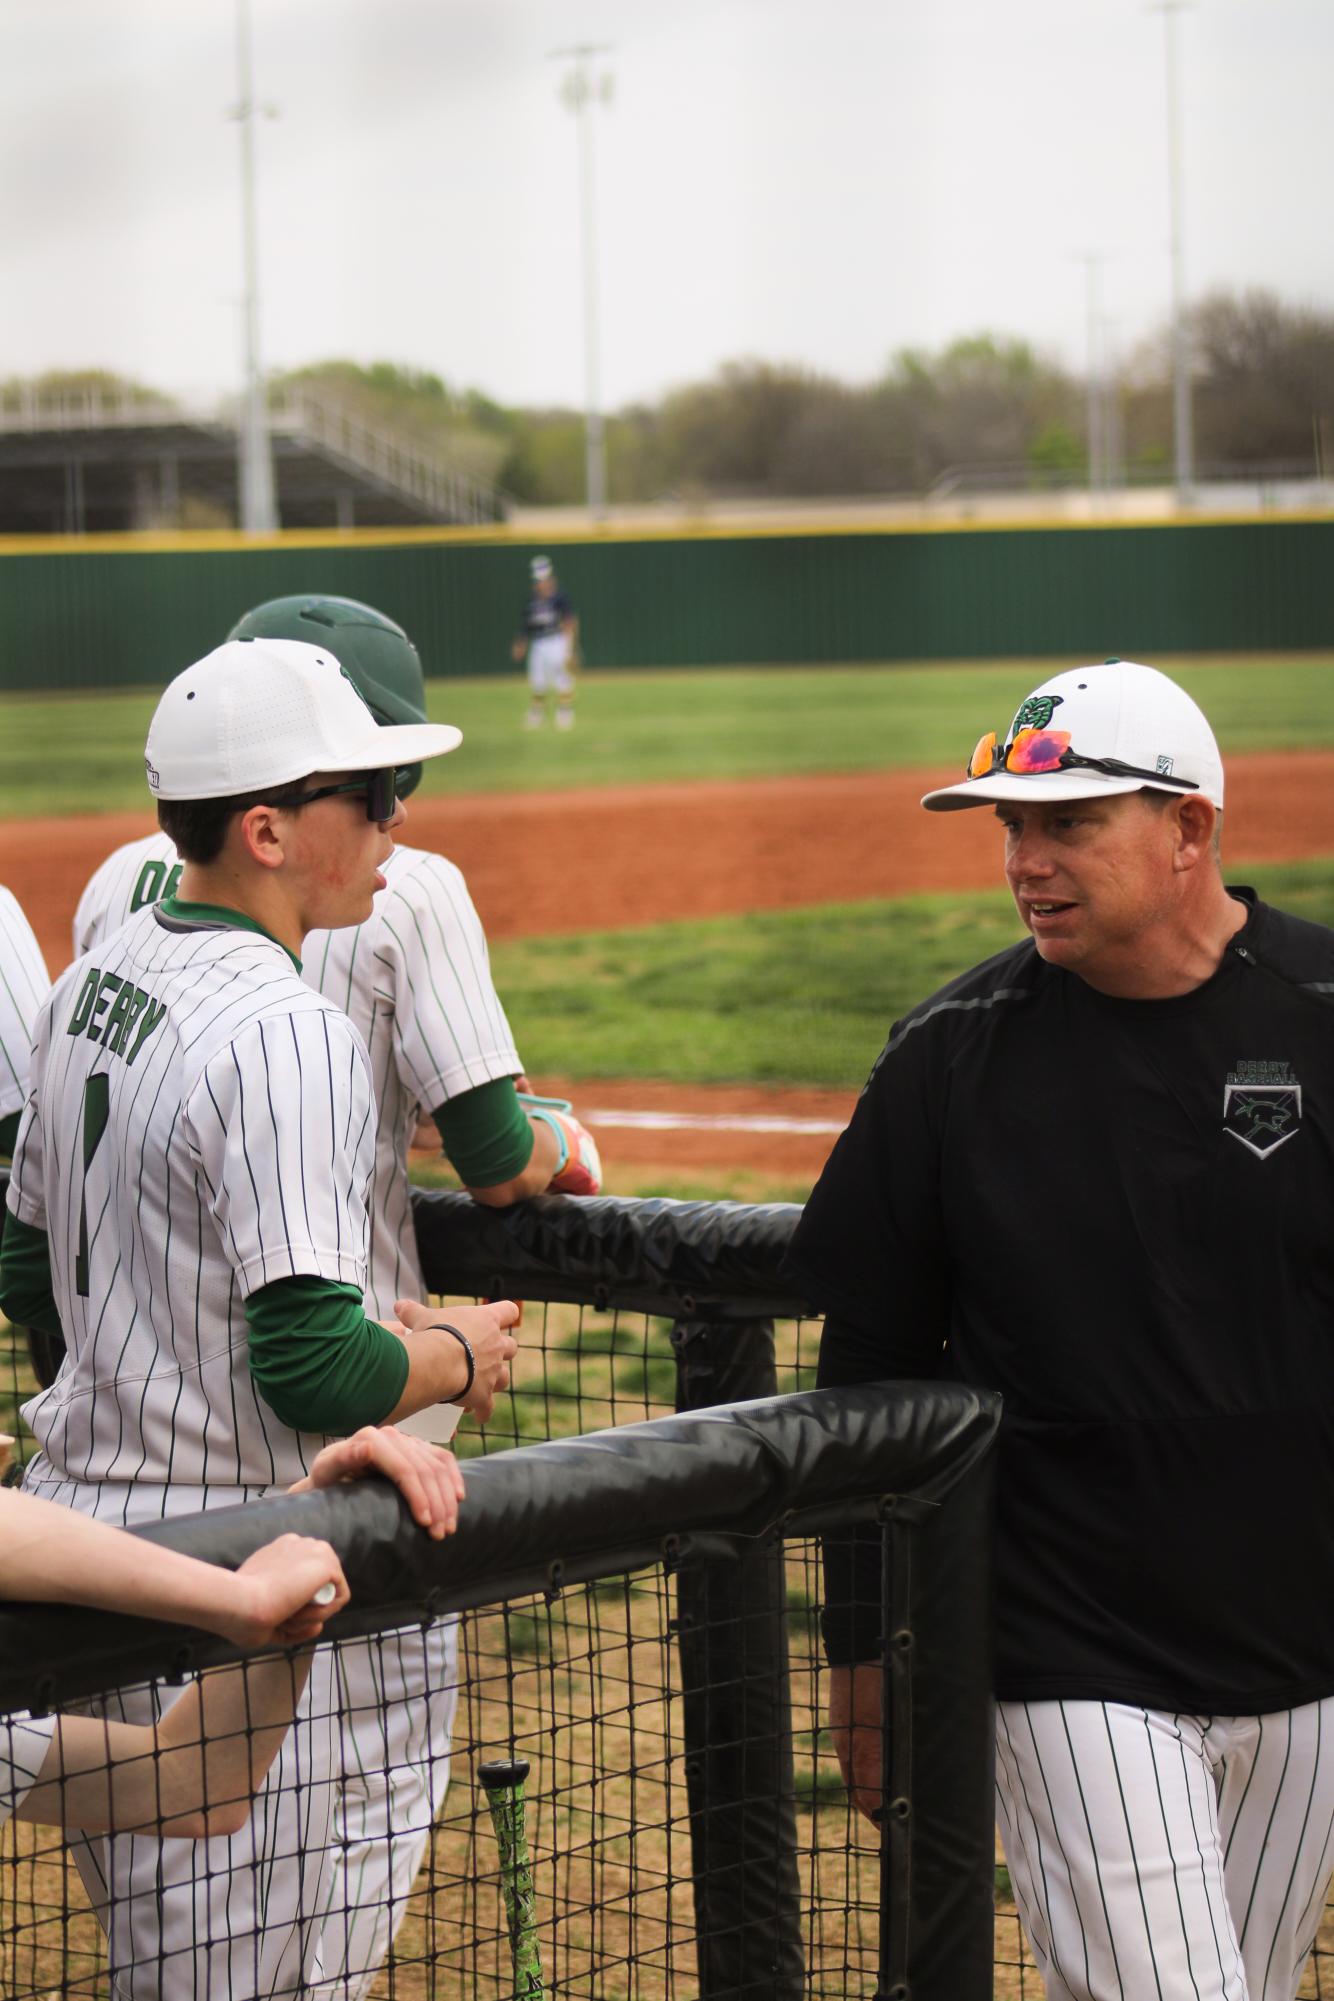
(214, 916)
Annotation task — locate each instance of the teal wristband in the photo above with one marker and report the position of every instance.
(537, 1110)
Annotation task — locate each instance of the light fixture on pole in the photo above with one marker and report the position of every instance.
(582, 87)
(257, 504)
(1182, 424)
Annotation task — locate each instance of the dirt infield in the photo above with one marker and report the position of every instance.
(627, 855)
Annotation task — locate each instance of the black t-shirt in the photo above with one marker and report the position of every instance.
(1120, 1214)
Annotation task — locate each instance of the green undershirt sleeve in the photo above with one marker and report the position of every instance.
(9, 1132)
(486, 1134)
(26, 1297)
(317, 1361)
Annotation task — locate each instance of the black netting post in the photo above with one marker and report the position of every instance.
(737, 1713)
(938, 1845)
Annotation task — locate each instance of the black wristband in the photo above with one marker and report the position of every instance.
(466, 1346)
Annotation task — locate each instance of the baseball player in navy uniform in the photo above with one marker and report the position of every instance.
(24, 985)
(415, 980)
(1097, 1174)
(549, 640)
(191, 1187)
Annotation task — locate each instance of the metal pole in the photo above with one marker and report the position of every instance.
(1095, 424)
(594, 443)
(1113, 439)
(258, 507)
(580, 90)
(1182, 426)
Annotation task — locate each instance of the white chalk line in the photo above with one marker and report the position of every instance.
(710, 1122)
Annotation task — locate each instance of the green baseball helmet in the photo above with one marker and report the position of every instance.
(377, 654)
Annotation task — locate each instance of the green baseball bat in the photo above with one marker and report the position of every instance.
(502, 1779)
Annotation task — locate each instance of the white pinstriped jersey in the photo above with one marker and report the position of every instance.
(201, 1124)
(24, 1743)
(415, 980)
(133, 876)
(24, 984)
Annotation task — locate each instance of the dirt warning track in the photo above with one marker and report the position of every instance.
(625, 855)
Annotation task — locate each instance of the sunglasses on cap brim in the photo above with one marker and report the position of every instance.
(378, 788)
(1031, 752)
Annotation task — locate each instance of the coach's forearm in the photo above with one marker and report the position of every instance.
(856, 1727)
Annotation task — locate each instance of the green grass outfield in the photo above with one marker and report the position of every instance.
(83, 753)
(779, 997)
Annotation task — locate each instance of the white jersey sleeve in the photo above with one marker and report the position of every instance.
(416, 980)
(132, 876)
(450, 1030)
(24, 1743)
(24, 985)
(279, 1125)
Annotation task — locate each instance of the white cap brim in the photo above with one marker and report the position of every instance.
(389, 744)
(399, 744)
(1040, 787)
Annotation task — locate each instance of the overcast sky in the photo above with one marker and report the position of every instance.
(819, 181)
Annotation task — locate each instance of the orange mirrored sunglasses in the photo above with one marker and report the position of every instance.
(1031, 752)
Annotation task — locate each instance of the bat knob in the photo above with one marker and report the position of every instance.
(501, 1772)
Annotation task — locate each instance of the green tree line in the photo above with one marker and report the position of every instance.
(1263, 390)
(1263, 395)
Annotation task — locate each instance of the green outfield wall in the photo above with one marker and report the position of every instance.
(124, 611)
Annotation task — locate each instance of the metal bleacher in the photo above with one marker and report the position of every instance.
(89, 462)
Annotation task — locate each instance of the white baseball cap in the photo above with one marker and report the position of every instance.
(257, 712)
(541, 566)
(1120, 713)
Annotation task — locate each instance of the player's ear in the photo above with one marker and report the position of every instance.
(260, 832)
(1194, 818)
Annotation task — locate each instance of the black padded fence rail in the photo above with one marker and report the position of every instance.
(701, 1495)
(634, 1308)
(719, 1261)
(543, 1516)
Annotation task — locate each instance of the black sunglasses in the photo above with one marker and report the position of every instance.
(378, 788)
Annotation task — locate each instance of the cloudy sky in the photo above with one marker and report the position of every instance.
(820, 181)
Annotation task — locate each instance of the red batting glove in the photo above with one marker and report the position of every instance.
(582, 1172)
(579, 1168)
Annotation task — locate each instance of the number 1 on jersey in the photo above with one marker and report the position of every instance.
(96, 1106)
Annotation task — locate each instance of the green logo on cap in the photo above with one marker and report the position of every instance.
(1036, 713)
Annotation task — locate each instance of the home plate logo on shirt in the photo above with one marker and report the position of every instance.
(1262, 1107)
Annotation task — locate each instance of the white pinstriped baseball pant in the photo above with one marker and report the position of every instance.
(397, 1696)
(1157, 1857)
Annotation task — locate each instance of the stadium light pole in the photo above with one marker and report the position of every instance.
(1113, 440)
(1095, 420)
(583, 86)
(1182, 417)
(257, 503)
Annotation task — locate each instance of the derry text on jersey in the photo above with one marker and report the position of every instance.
(134, 1014)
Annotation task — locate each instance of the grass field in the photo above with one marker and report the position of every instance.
(777, 997)
(83, 753)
